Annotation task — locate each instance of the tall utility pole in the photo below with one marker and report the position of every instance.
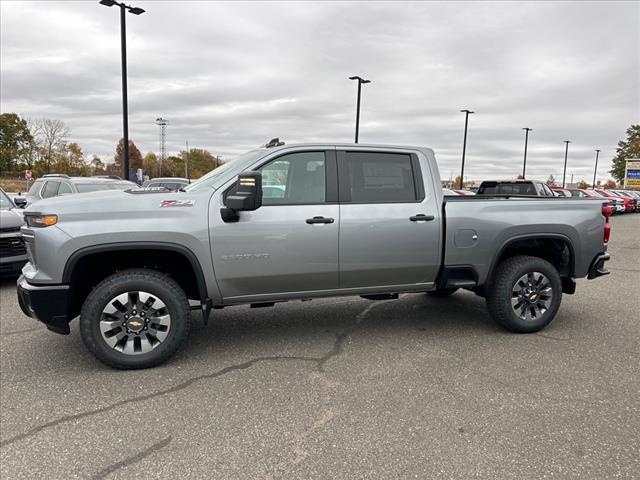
(464, 144)
(163, 140)
(526, 141)
(123, 55)
(595, 171)
(566, 152)
(361, 81)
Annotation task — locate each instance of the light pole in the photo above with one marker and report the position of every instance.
(464, 143)
(123, 44)
(526, 141)
(360, 82)
(566, 152)
(595, 171)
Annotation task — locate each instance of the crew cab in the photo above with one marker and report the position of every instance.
(350, 219)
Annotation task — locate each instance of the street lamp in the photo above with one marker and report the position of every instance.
(595, 171)
(464, 144)
(526, 141)
(123, 42)
(360, 82)
(566, 152)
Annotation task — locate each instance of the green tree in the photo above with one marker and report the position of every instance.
(15, 137)
(626, 149)
(199, 162)
(150, 164)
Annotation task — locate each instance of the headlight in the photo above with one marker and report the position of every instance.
(41, 220)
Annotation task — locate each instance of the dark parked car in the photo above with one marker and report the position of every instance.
(55, 184)
(13, 254)
(170, 183)
(528, 188)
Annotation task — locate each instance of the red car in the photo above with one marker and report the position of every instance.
(617, 206)
(628, 202)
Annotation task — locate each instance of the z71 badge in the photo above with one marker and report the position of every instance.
(177, 203)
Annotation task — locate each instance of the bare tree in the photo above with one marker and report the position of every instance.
(53, 135)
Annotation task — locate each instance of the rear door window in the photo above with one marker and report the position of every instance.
(377, 177)
(35, 188)
(64, 189)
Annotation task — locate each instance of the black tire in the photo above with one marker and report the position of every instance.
(160, 286)
(443, 292)
(501, 292)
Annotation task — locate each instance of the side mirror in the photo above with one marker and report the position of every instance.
(248, 196)
(20, 202)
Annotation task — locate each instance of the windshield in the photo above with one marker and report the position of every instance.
(5, 201)
(210, 178)
(94, 187)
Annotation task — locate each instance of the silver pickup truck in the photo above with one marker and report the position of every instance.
(296, 222)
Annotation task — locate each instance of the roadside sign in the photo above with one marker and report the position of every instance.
(27, 175)
(632, 173)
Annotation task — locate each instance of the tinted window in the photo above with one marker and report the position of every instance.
(380, 177)
(35, 188)
(50, 189)
(548, 191)
(576, 193)
(64, 188)
(296, 178)
(494, 188)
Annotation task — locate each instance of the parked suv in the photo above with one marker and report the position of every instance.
(53, 185)
(13, 254)
(529, 188)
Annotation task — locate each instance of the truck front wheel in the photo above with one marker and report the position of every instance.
(135, 319)
(525, 294)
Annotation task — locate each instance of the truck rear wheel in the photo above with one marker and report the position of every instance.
(135, 319)
(525, 294)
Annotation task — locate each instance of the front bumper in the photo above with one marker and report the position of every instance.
(13, 264)
(597, 266)
(47, 303)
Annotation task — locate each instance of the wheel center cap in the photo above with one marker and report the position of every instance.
(533, 296)
(135, 324)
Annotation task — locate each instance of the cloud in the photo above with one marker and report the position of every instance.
(229, 76)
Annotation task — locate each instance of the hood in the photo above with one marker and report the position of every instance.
(10, 220)
(114, 204)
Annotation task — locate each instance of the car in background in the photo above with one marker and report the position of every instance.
(13, 254)
(561, 192)
(449, 192)
(526, 188)
(53, 185)
(172, 184)
(463, 192)
(629, 205)
(629, 194)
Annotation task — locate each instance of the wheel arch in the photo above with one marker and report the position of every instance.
(174, 256)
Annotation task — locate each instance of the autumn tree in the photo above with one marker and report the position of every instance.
(135, 157)
(199, 162)
(551, 181)
(150, 164)
(15, 138)
(626, 150)
(53, 135)
(609, 184)
(97, 166)
(582, 185)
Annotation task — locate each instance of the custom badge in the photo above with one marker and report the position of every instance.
(177, 203)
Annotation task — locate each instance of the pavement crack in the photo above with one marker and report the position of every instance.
(176, 388)
(16, 332)
(136, 458)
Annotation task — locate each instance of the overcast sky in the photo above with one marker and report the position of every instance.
(230, 76)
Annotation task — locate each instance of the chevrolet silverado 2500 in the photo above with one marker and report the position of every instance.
(296, 222)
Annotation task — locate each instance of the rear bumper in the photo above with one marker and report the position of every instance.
(47, 303)
(597, 268)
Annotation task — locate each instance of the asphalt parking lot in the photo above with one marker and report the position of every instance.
(341, 388)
